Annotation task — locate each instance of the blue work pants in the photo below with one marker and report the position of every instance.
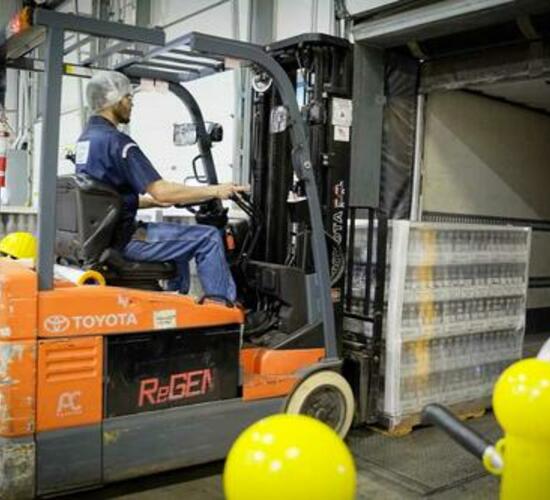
(163, 242)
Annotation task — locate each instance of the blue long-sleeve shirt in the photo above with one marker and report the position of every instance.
(112, 157)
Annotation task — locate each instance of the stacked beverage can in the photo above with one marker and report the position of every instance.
(454, 314)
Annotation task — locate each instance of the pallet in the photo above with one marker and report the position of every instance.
(390, 426)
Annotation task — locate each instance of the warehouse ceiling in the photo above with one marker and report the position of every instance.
(531, 93)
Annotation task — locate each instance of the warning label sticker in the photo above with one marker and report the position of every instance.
(341, 134)
(164, 319)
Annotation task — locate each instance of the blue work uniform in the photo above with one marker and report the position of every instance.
(112, 157)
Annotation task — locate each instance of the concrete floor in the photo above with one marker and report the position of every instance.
(205, 482)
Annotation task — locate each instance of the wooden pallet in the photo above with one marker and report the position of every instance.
(464, 411)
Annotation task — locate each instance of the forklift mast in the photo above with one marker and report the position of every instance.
(320, 69)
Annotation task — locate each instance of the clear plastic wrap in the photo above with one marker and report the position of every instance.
(455, 311)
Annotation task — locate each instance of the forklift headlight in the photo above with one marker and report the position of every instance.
(186, 134)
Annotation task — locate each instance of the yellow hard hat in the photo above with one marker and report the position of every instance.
(19, 245)
(290, 457)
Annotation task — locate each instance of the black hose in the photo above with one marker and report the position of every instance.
(335, 274)
(466, 437)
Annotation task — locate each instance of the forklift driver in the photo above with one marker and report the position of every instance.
(112, 157)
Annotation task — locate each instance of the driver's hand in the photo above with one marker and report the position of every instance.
(226, 190)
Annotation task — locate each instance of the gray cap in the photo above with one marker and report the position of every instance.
(106, 89)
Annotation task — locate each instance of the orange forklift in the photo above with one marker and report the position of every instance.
(105, 383)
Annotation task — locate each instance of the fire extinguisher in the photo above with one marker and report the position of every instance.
(4, 134)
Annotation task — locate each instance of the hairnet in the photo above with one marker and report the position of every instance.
(106, 89)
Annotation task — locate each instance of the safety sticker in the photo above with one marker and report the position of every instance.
(82, 151)
(341, 134)
(342, 111)
(164, 319)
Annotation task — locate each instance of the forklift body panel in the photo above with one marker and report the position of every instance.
(104, 383)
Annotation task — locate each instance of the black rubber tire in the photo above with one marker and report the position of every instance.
(326, 396)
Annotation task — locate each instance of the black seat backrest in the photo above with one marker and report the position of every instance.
(87, 215)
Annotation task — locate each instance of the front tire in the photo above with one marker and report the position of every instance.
(326, 396)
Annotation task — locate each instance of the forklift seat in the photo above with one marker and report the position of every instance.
(87, 215)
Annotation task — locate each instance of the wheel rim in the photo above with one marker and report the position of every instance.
(327, 404)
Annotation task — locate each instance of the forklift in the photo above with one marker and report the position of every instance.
(106, 383)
